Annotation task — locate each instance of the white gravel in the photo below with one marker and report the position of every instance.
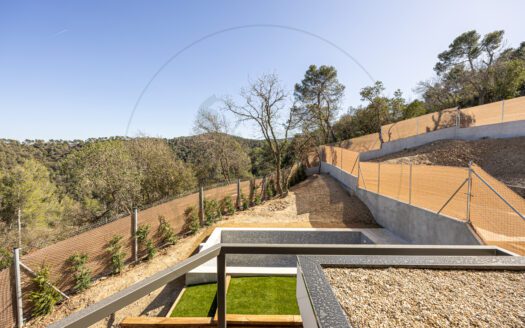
(396, 297)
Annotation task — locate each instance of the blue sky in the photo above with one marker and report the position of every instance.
(74, 69)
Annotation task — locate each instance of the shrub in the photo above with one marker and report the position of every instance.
(165, 232)
(192, 220)
(298, 176)
(270, 189)
(257, 200)
(146, 243)
(114, 249)
(6, 258)
(227, 206)
(212, 211)
(81, 273)
(43, 297)
(245, 202)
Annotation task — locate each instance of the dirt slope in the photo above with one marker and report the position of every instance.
(316, 202)
(502, 158)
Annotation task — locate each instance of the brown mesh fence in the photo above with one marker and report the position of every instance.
(492, 217)
(94, 242)
(362, 144)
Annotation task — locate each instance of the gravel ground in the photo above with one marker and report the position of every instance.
(396, 297)
(316, 202)
(502, 158)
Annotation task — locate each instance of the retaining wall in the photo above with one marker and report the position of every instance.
(497, 131)
(414, 224)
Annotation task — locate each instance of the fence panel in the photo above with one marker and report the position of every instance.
(514, 109)
(484, 114)
(363, 143)
(495, 221)
(395, 181)
(350, 160)
(433, 186)
(7, 313)
(400, 130)
(368, 176)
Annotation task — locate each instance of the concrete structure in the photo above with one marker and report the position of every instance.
(413, 224)
(495, 131)
(260, 264)
(319, 306)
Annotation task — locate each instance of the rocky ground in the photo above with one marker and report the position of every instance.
(316, 202)
(502, 158)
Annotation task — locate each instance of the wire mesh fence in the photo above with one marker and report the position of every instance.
(494, 210)
(493, 113)
(94, 243)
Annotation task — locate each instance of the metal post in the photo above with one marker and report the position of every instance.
(201, 206)
(252, 191)
(410, 185)
(469, 192)
(221, 290)
(18, 288)
(19, 222)
(378, 176)
(502, 109)
(263, 189)
(134, 228)
(417, 125)
(238, 193)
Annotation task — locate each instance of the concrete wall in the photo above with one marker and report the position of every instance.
(413, 224)
(495, 131)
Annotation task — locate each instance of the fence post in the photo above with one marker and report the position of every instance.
(201, 206)
(221, 290)
(378, 176)
(252, 191)
(469, 192)
(238, 201)
(417, 125)
(410, 185)
(263, 189)
(134, 228)
(502, 110)
(19, 222)
(18, 288)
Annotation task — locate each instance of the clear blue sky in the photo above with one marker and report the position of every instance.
(74, 69)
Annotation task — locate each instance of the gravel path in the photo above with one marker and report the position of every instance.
(396, 297)
(316, 202)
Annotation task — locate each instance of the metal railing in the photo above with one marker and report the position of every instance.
(112, 304)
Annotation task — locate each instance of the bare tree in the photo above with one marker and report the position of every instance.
(265, 103)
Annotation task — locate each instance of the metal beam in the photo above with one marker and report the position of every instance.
(112, 304)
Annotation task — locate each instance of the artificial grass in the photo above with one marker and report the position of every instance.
(262, 295)
(246, 295)
(197, 301)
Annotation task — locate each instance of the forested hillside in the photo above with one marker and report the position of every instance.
(59, 186)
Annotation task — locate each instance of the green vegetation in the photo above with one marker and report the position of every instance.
(145, 243)
(43, 297)
(191, 220)
(6, 258)
(114, 248)
(81, 273)
(197, 301)
(212, 211)
(262, 295)
(246, 295)
(165, 232)
(227, 206)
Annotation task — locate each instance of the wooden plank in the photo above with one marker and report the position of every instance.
(176, 302)
(264, 320)
(162, 322)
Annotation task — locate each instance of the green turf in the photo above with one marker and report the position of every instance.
(197, 301)
(262, 295)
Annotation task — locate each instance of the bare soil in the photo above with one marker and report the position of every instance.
(316, 202)
(502, 158)
(395, 297)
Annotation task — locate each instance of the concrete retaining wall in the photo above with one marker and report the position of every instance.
(413, 224)
(495, 131)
